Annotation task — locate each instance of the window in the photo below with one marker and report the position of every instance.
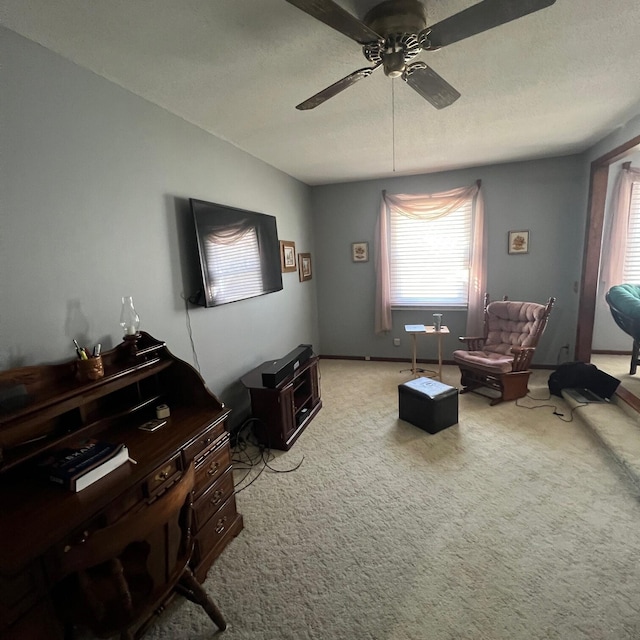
(631, 269)
(429, 259)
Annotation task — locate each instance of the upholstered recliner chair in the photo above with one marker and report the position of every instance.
(500, 359)
(624, 303)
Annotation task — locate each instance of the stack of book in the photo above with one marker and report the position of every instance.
(75, 468)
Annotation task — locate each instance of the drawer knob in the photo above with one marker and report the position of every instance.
(221, 525)
(81, 539)
(163, 475)
(217, 496)
(213, 468)
(206, 441)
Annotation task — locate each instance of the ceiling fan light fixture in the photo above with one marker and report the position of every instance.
(393, 64)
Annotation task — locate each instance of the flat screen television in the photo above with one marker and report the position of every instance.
(239, 253)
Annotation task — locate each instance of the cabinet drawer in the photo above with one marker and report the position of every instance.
(215, 529)
(163, 476)
(212, 465)
(206, 438)
(212, 499)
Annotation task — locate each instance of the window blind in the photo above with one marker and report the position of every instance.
(429, 260)
(631, 272)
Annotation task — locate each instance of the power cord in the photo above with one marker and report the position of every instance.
(248, 453)
(551, 406)
(190, 332)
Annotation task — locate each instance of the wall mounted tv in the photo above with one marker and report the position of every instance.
(239, 253)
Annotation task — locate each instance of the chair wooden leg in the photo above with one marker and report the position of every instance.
(190, 588)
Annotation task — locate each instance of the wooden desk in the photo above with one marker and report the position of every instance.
(422, 330)
(39, 520)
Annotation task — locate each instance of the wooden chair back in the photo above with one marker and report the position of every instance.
(121, 573)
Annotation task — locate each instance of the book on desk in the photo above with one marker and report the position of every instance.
(75, 468)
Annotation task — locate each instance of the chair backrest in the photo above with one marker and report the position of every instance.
(514, 324)
(624, 304)
(123, 571)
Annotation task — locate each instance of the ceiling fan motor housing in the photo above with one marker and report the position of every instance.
(397, 16)
(399, 22)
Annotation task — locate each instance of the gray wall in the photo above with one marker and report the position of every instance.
(94, 205)
(545, 196)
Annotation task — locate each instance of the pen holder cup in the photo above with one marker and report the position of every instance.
(437, 321)
(91, 369)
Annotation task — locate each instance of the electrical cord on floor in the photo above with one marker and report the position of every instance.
(552, 406)
(248, 453)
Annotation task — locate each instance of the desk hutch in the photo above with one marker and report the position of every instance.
(47, 409)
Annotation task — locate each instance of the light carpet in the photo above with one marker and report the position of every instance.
(510, 525)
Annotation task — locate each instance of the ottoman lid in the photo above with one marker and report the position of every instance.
(428, 387)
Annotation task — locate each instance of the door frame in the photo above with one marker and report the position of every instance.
(599, 179)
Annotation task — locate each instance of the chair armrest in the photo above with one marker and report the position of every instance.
(522, 358)
(473, 343)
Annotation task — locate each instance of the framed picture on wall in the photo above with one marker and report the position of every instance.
(287, 256)
(518, 241)
(360, 251)
(304, 266)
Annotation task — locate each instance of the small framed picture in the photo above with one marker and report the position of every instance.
(287, 256)
(518, 242)
(304, 266)
(360, 251)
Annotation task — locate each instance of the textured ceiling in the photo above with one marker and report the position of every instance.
(551, 83)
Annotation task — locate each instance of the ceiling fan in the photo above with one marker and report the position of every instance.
(396, 31)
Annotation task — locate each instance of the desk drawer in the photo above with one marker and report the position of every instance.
(212, 464)
(206, 438)
(215, 529)
(212, 499)
(163, 476)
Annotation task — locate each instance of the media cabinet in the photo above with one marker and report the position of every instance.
(40, 521)
(284, 411)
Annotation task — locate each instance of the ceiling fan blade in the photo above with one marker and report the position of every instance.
(481, 17)
(336, 88)
(337, 18)
(432, 87)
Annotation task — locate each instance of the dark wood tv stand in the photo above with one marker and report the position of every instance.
(285, 410)
(39, 520)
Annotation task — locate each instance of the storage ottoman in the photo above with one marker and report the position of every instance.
(428, 404)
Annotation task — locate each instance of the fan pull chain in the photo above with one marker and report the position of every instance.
(393, 124)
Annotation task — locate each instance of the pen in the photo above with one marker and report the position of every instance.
(96, 350)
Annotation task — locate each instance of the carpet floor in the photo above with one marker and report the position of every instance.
(514, 524)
